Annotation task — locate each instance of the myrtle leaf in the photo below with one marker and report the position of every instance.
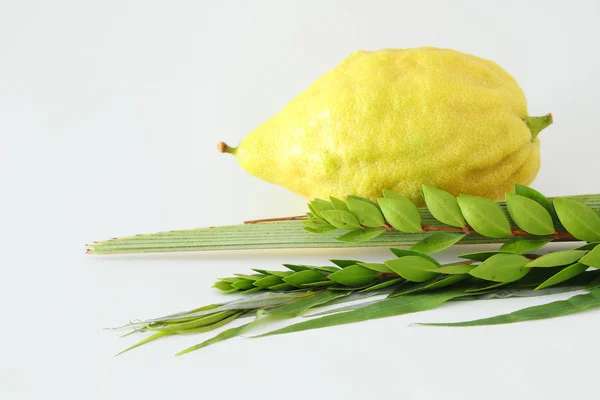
(318, 205)
(315, 223)
(592, 258)
(299, 278)
(522, 245)
(222, 285)
(268, 281)
(413, 268)
(344, 263)
(366, 213)
(502, 268)
(388, 194)
(360, 235)
(354, 276)
(443, 206)
(480, 255)
(557, 258)
(453, 269)
(564, 275)
(297, 307)
(402, 214)
(588, 246)
(338, 204)
(341, 219)
(242, 284)
(377, 267)
(363, 199)
(536, 196)
(438, 241)
(385, 284)
(578, 219)
(484, 216)
(529, 215)
(321, 231)
(409, 252)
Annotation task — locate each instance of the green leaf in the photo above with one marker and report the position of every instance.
(578, 219)
(480, 255)
(302, 277)
(360, 235)
(363, 199)
(328, 269)
(269, 281)
(242, 284)
(385, 284)
(592, 258)
(453, 269)
(341, 219)
(252, 277)
(588, 246)
(354, 276)
(484, 216)
(281, 286)
(300, 306)
(572, 305)
(318, 284)
(222, 285)
(402, 214)
(502, 268)
(321, 231)
(479, 290)
(439, 282)
(536, 196)
(522, 245)
(297, 268)
(345, 263)
(388, 194)
(228, 334)
(315, 223)
(282, 274)
(366, 213)
(408, 252)
(338, 204)
(564, 275)
(384, 308)
(438, 241)
(557, 258)
(443, 206)
(413, 268)
(376, 267)
(529, 215)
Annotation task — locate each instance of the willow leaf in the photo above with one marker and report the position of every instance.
(381, 309)
(300, 306)
(559, 308)
(227, 334)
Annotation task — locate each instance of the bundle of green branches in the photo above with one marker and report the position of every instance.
(413, 280)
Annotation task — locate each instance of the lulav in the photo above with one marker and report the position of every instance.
(414, 280)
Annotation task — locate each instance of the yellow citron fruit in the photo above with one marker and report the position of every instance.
(398, 119)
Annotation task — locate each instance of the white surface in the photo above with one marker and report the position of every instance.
(109, 116)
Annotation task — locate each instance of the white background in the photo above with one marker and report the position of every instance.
(109, 116)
